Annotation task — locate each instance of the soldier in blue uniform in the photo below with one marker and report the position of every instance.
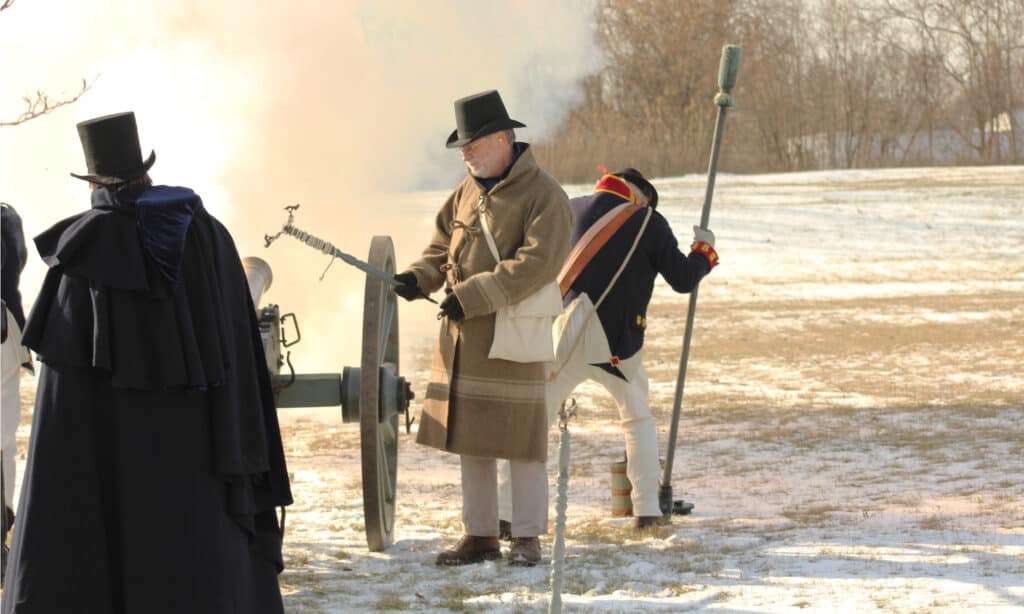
(623, 315)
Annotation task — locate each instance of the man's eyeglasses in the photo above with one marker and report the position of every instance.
(473, 145)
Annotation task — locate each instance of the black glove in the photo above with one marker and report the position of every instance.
(452, 308)
(407, 287)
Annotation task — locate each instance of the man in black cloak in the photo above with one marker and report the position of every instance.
(155, 463)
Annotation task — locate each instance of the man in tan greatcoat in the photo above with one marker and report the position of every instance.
(481, 408)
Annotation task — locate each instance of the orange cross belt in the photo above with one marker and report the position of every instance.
(585, 250)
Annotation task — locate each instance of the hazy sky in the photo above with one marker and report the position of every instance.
(257, 105)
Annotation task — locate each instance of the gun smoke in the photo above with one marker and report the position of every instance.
(339, 106)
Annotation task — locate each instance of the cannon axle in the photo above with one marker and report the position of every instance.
(332, 390)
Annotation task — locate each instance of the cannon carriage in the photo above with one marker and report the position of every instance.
(374, 394)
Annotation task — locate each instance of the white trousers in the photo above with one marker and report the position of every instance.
(528, 497)
(642, 465)
(11, 357)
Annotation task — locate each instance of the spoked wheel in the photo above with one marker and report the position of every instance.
(381, 393)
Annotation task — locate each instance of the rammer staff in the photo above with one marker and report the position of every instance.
(728, 69)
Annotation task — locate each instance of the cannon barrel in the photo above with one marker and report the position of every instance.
(259, 276)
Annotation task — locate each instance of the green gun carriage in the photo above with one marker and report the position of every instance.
(373, 394)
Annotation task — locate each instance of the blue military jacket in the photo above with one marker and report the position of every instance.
(623, 314)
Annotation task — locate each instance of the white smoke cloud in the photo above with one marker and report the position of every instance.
(258, 105)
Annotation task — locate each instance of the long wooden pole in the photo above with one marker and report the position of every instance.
(728, 69)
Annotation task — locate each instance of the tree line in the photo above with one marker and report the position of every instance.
(822, 84)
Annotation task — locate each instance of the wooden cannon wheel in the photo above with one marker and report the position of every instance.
(378, 387)
(372, 394)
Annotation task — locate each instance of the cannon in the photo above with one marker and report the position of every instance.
(373, 394)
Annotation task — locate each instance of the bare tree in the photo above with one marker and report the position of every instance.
(981, 43)
(782, 100)
(41, 103)
(824, 84)
(919, 91)
(650, 107)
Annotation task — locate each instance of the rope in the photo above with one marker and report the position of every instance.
(326, 247)
(314, 242)
(567, 411)
(467, 228)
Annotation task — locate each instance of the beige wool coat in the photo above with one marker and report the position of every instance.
(475, 405)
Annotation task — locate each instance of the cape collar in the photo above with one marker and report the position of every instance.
(163, 214)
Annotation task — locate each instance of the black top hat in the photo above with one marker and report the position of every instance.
(112, 152)
(479, 115)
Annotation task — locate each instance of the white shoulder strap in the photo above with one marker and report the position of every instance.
(487, 235)
(625, 261)
(636, 241)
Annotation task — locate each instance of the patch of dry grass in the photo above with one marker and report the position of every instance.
(594, 532)
(390, 600)
(454, 597)
(935, 523)
(812, 515)
(831, 360)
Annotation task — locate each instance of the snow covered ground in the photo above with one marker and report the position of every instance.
(852, 431)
